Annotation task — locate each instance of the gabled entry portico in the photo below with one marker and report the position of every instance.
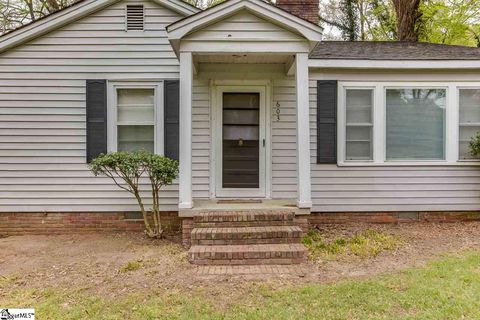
(241, 47)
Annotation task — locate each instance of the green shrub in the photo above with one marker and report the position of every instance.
(475, 145)
(126, 169)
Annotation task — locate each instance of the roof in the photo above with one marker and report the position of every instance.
(71, 13)
(285, 19)
(77, 2)
(267, 2)
(392, 50)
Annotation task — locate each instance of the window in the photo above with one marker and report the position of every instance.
(406, 123)
(136, 118)
(359, 124)
(469, 120)
(415, 124)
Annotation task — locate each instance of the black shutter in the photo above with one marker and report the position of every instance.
(327, 122)
(172, 118)
(96, 97)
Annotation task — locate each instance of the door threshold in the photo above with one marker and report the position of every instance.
(239, 201)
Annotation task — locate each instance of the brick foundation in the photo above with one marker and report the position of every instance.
(61, 223)
(392, 217)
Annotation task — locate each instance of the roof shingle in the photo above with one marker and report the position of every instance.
(392, 50)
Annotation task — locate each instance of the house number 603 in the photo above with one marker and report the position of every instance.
(277, 111)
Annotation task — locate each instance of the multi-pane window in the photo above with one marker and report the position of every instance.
(135, 119)
(415, 124)
(469, 120)
(400, 123)
(359, 124)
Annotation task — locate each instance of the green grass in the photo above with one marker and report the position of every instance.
(130, 266)
(366, 244)
(445, 289)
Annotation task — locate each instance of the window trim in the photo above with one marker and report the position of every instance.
(343, 115)
(452, 127)
(458, 88)
(112, 112)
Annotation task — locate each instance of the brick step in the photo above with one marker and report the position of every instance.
(283, 254)
(239, 224)
(246, 235)
(244, 216)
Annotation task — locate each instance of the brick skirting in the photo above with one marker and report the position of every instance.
(392, 217)
(61, 223)
(58, 223)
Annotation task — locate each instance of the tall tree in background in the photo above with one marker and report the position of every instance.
(408, 19)
(15, 13)
(349, 19)
(343, 15)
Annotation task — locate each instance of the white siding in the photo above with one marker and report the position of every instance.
(244, 26)
(390, 188)
(42, 108)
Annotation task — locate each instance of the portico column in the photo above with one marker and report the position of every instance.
(185, 175)
(303, 132)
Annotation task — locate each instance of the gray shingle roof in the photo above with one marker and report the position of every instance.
(390, 50)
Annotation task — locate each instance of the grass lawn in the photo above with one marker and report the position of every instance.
(445, 289)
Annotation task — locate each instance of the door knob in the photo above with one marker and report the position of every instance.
(240, 142)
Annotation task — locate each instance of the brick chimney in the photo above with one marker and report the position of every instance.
(305, 9)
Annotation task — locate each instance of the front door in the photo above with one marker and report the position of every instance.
(241, 141)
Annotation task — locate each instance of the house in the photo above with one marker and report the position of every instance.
(250, 100)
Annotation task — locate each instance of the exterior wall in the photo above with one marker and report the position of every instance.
(283, 132)
(42, 108)
(390, 188)
(241, 27)
(61, 222)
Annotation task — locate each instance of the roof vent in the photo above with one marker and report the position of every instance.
(135, 17)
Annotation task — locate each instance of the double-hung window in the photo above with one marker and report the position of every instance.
(136, 117)
(359, 124)
(469, 119)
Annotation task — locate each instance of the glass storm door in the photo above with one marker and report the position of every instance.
(242, 144)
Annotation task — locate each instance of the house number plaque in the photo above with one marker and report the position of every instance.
(277, 111)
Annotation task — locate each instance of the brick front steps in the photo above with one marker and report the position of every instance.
(246, 238)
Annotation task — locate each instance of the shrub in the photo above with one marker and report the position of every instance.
(475, 145)
(127, 169)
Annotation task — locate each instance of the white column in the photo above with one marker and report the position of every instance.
(185, 175)
(303, 132)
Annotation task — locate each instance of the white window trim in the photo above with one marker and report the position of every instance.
(112, 112)
(379, 123)
(457, 97)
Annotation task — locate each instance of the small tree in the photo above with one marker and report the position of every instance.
(126, 170)
(475, 145)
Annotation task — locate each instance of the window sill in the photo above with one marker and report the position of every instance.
(459, 163)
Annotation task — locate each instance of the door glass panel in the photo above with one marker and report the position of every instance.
(241, 140)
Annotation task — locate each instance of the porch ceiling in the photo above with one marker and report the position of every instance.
(244, 58)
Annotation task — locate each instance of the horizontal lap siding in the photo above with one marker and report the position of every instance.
(201, 139)
(336, 189)
(284, 140)
(244, 26)
(42, 109)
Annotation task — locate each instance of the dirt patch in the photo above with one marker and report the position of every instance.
(115, 265)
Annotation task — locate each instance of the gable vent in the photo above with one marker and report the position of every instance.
(135, 17)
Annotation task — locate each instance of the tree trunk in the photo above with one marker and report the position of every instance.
(408, 16)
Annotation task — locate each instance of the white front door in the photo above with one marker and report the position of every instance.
(240, 142)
